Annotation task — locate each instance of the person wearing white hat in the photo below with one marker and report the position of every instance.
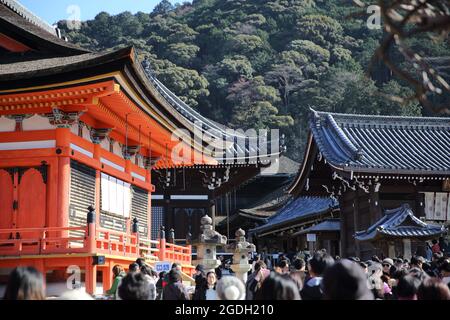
(230, 288)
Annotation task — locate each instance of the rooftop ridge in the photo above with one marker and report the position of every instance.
(22, 11)
(388, 120)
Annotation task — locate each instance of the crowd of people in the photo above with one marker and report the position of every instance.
(316, 276)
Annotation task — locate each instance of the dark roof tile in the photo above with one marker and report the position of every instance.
(296, 209)
(399, 223)
(383, 143)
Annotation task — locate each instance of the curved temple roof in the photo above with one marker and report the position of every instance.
(33, 31)
(298, 208)
(388, 144)
(399, 223)
(328, 225)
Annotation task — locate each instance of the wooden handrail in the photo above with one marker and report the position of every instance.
(48, 229)
(94, 239)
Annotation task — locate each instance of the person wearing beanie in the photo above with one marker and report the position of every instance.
(387, 264)
(230, 288)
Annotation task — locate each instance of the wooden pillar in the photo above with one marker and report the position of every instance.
(407, 253)
(162, 244)
(391, 250)
(107, 276)
(97, 204)
(356, 221)
(212, 212)
(62, 144)
(40, 266)
(128, 166)
(90, 279)
(343, 234)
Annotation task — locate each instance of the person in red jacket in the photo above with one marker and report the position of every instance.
(435, 247)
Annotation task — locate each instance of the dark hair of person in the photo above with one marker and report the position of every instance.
(174, 276)
(134, 286)
(259, 265)
(175, 265)
(278, 287)
(434, 241)
(415, 260)
(385, 278)
(298, 263)
(162, 274)
(140, 262)
(392, 270)
(376, 259)
(25, 283)
(418, 273)
(399, 273)
(117, 270)
(433, 289)
(133, 267)
(320, 261)
(345, 280)
(206, 279)
(437, 255)
(407, 286)
(147, 270)
(445, 265)
(282, 264)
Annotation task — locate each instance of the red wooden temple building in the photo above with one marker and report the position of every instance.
(80, 129)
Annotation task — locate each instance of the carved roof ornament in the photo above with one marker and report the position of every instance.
(150, 162)
(62, 119)
(129, 151)
(98, 135)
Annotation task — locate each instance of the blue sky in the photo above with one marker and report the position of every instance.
(55, 10)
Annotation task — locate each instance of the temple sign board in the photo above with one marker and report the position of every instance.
(162, 266)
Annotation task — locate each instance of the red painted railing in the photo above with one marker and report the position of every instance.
(115, 242)
(42, 241)
(91, 240)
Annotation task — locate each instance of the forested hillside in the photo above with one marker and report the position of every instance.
(260, 63)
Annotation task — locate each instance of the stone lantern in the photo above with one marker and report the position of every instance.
(207, 244)
(241, 248)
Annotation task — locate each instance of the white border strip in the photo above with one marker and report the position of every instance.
(42, 144)
(189, 197)
(81, 150)
(157, 197)
(112, 164)
(138, 176)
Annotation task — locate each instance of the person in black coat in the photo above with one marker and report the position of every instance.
(200, 283)
(175, 289)
(312, 289)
